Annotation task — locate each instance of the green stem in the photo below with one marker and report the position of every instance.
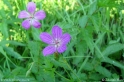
(76, 56)
(72, 70)
(82, 7)
(8, 64)
(83, 64)
(61, 76)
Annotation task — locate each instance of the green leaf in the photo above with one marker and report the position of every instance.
(4, 30)
(34, 67)
(93, 6)
(113, 62)
(42, 74)
(35, 34)
(122, 72)
(18, 71)
(1, 74)
(60, 64)
(69, 48)
(23, 78)
(34, 47)
(103, 71)
(77, 77)
(48, 75)
(7, 3)
(113, 48)
(88, 66)
(83, 21)
(45, 76)
(2, 51)
(115, 76)
(87, 36)
(81, 47)
(16, 43)
(105, 3)
(95, 77)
(82, 76)
(4, 42)
(96, 21)
(12, 53)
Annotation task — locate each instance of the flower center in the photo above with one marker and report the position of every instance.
(57, 43)
(31, 16)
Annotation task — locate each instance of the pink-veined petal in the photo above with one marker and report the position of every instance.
(40, 15)
(31, 7)
(65, 38)
(61, 49)
(23, 14)
(56, 32)
(26, 23)
(45, 37)
(36, 23)
(48, 50)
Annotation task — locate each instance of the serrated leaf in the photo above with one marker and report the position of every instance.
(49, 75)
(42, 74)
(34, 47)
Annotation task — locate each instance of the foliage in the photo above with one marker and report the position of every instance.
(95, 52)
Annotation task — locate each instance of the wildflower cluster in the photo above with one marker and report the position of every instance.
(57, 41)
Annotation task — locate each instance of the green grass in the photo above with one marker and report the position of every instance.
(95, 52)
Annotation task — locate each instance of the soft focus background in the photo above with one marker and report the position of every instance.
(95, 52)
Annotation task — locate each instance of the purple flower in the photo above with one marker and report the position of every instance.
(57, 41)
(32, 17)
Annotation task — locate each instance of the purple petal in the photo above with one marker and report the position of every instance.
(56, 31)
(26, 24)
(48, 50)
(65, 38)
(61, 49)
(36, 23)
(31, 7)
(40, 15)
(23, 14)
(45, 37)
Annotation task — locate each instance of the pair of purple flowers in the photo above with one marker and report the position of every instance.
(57, 41)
